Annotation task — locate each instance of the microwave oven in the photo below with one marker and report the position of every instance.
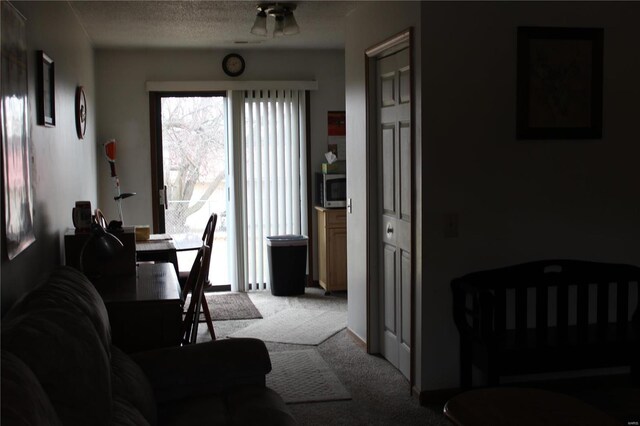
(331, 190)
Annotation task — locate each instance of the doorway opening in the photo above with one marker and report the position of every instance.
(191, 174)
(391, 203)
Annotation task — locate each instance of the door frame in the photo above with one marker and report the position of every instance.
(155, 133)
(395, 43)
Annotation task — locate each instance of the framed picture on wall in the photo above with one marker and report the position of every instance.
(559, 83)
(46, 90)
(16, 176)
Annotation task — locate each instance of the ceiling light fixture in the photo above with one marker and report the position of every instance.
(285, 22)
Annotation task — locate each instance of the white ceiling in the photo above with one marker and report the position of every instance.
(206, 24)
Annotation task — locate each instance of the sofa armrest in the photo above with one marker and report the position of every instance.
(204, 368)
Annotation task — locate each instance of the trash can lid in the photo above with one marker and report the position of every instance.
(286, 240)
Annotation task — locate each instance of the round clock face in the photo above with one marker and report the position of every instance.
(81, 112)
(233, 65)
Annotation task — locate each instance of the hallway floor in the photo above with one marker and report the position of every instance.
(380, 394)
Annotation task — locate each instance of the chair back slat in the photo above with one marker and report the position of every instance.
(583, 312)
(622, 307)
(562, 311)
(521, 314)
(542, 313)
(500, 311)
(602, 309)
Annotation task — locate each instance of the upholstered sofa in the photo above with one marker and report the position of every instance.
(60, 368)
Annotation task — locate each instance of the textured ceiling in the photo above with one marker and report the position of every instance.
(206, 24)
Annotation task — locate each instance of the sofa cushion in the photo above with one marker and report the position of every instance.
(68, 289)
(252, 405)
(24, 402)
(125, 414)
(64, 352)
(130, 384)
(242, 405)
(207, 410)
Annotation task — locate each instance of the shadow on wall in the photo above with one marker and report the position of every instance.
(33, 265)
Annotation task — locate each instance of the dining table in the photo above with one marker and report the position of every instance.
(164, 248)
(158, 248)
(145, 308)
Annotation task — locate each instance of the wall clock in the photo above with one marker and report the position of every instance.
(81, 112)
(233, 65)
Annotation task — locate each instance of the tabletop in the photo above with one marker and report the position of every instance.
(156, 242)
(153, 282)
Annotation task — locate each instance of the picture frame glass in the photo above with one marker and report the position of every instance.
(559, 78)
(46, 90)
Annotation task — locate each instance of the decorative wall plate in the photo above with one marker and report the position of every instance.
(81, 112)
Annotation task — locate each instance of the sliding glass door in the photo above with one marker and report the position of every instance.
(242, 156)
(191, 173)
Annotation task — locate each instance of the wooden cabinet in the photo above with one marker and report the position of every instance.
(332, 248)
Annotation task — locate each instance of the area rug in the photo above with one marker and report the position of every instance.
(229, 306)
(304, 376)
(296, 326)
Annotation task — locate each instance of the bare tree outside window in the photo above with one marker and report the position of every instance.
(194, 159)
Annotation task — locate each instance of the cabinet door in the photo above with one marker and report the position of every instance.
(322, 250)
(337, 254)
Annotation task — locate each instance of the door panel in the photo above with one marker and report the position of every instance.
(388, 89)
(405, 279)
(388, 169)
(394, 161)
(405, 171)
(390, 289)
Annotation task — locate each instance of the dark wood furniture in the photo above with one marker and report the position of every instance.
(187, 279)
(158, 248)
(545, 316)
(195, 286)
(145, 308)
(522, 407)
(123, 262)
(332, 249)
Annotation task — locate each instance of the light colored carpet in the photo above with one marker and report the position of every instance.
(303, 376)
(297, 326)
(229, 306)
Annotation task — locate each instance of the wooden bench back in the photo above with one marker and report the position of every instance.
(603, 295)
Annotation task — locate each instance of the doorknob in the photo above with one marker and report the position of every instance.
(389, 230)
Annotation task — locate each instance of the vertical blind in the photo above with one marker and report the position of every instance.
(274, 151)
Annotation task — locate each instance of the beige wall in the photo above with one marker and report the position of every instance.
(63, 167)
(516, 200)
(370, 24)
(124, 105)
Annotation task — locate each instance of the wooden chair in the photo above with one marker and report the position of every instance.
(195, 286)
(207, 238)
(207, 241)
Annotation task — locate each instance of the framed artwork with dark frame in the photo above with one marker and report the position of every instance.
(559, 78)
(46, 90)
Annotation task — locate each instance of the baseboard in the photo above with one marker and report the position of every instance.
(216, 288)
(313, 283)
(357, 339)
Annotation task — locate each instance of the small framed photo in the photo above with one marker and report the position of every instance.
(46, 90)
(559, 83)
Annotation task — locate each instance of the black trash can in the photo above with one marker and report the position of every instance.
(287, 255)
